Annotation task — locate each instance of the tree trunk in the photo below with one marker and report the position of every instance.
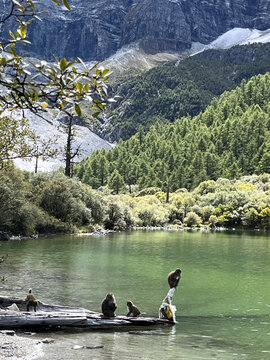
(168, 192)
(68, 148)
(66, 316)
(36, 165)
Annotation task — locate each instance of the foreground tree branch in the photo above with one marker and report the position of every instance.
(40, 87)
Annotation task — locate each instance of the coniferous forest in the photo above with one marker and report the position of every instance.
(209, 170)
(230, 139)
(169, 92)
(199, 155)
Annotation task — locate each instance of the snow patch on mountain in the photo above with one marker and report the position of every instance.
(131, 56)
(233, 37)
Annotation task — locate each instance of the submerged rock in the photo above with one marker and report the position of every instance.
(4, 236)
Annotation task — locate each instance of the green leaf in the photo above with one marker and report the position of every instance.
(78, 110)
(71, 63)
(3, 61)
(105, 72)
(66, 4)
(25, 42)
(26, 71)
(31, 4)
(79, 87)
(37, 17)
(63, 64)
(11, 34)
(81, 61)
(16, 2)
(35, 95)
(96, 114)
(23, 31)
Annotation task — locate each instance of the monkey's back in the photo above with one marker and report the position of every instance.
(30, 298)
(108, 308)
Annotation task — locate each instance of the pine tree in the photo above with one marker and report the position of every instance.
(116, 181)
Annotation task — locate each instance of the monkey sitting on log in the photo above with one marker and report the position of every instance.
(132, 309)
(174, 278)
(109, 305)
(31, 301)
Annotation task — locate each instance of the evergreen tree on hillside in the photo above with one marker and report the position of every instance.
(116, 181)
(230, 139)
(169, 92)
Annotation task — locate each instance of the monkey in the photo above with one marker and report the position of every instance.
(132, 309)
(109, 305)
(31, 301)
(174, 278)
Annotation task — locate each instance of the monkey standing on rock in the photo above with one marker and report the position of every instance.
(132, 309)
(174, 278)
(31, 301)
(109, 305)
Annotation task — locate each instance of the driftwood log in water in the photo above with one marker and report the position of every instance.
(65, 316)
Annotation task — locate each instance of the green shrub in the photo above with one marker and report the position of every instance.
(150, 211)
(149, 191)
(118, 216)
(251, 218)
(192, 219)
(213, 220)
(29, 216)
(12, 197)
(61, 198)
(265, 218)
(94, 201)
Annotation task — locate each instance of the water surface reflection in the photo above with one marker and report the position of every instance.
(223, 298)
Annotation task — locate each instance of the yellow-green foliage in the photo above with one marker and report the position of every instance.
(150, 211)
(243, 187)
(192, 219)
(54, 203)
(265, 216)
(118, 213)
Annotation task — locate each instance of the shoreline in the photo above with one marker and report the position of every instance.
(103, 232)
(15, 347)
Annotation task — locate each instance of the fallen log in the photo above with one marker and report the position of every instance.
(65, 316)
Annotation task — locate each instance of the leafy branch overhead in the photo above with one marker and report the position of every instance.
(39, 86)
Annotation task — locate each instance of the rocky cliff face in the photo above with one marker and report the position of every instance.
(95, 29)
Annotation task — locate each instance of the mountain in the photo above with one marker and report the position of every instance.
(50, 127)
(96, 29)
(168, 92)
(231, 138)
(162, 94)
(140, 35)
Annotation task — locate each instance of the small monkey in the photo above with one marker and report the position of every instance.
(174, 278)
(31, 301)
(132, 309)
(109, 305)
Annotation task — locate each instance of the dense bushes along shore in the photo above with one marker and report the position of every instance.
(50, 202)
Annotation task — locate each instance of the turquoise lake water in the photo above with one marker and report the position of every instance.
(223, 299)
